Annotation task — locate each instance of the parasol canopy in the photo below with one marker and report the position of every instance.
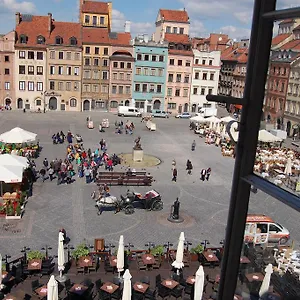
(17, 136)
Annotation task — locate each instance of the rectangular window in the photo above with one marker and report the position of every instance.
(211, 76)
(137, 87)
(197, 75)
(188, 63)
(68, 86)
(204, 76)
(160, 72)
(104, 89)
(195, 91)
(21, 54)
(105, 51)
(97, 50)
(69, 70)
(153, 72)
(121, 76)
(39, 55)
(86, 74)
(115, 76)
(177, 93)
(52, 54)
(203, 61)
(122, 65)
(178, 78)
(76, 71)
(94, 20)
(86, 88)
(104, 75)
(115, 64)
(186, 79)
(96, 88)
(114, 89)
(169, 93)
(146, 57)
(151, 90)
(6, 58)
(86, 61)
(102, 20)
(146, 71)
(30, 54)
(76, 86)
(52, 70)
(153, 57)
(196, 61)
(185, 92)
(39, 86)
(210, 62)
(96, 61)
(69, 56)
(170, 78)
(7, 86)
(127, 90)
(87, 19)
(174, 29)
(60, 86)
(52, 85)
(77, 56)
(138, 71)
(21, 69)
(128, 65)
(181, 30)
(202, 91)
(145, 88)
(30, 70)
(60, 70)
(120, 89)
(38, 102)
(210, 91)
(87, 50)
(158, 88)
(172, 62)
(128, 77)
(168, 29)
(30, 86)
(60, 55)
(179, 62)
(96, 75)
(161, 58)
(22, 85)
(139, 57)
(105, 63)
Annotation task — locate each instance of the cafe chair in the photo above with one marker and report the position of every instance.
(177, 292)
(141, 265)
(145, 279)
(117, 294)
(80, 270)
(158, 279)
(98, 284)
(151, 294)
(108, 267)
(35, 284)
(102, 295)
(157, 264)
(163, 292)
(87, 282)
(137, 296)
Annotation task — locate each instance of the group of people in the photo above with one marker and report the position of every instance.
(129, 127)
(58, 138)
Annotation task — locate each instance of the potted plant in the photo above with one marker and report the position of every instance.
(157, 250)
(2, 210)
(13, 214)
(80, 251)
(35, 254)
(196, 251)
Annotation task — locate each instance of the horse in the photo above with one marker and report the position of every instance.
(109, 201)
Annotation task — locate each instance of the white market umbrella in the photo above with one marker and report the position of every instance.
(199, 119)
(17, 136)
(60, 254)
(178, 262)
(266, 282)
(267, 137)
(127, 286)
(13, 160)
(288, 167)
(199, 284)
(227, 119)
(11, 174)
(213, 119)
(52, 289)
(120, 255)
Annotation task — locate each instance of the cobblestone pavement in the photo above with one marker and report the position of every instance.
(204, 205)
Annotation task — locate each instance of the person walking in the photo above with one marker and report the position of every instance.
(203, 174)
(208, 172)
(193, 145)
(51, 172)
(43, 173)
(46, 163)
(174, 173)
(189, 167)
(87, 174)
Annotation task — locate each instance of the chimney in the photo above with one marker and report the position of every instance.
(50, 22)
(18, 18)
(127, 26)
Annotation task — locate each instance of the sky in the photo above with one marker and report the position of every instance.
(232, 17)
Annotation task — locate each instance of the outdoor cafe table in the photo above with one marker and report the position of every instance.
(141, 287)
(210, 257)
(254, 277)
(34, 264)
(85, 261)
(113, 261)
(148, 259)
(42, 291)
(78, 289)
(170, 283)
(191, 280)
(109, 287)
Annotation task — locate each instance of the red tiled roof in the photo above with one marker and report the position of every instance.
(177, 38)
(95, 7)
(65, 30)
(279, 38)
(38, 25)
(181, 52)
(290, 45)
(123, 38)
(235, 54)
(95, 35)
(226, 52)
(243, 58)
(174, 15)
(287, 21)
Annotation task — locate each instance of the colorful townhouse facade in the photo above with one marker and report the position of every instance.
(149, 76)
(7, 70)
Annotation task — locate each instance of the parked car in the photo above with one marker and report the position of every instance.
(184, 115)
(127, 111)
(159, 114)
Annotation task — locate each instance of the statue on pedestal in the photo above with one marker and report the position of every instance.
(174, 215)
(137, 145)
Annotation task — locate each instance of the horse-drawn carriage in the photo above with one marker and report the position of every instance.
(151, 201)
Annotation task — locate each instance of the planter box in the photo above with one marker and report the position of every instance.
(13, 217)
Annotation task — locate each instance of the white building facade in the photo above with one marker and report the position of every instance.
(205, 77)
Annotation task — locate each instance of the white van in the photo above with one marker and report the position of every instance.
(128, 111)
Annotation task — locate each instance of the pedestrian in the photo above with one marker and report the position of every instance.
(193, 145)
(46, 163)
(189, 167)
(203, 174)
(173, 164)
(58, 178)
(87, 174)
(43, 173)
(174, 173)
(51, 172)
(208, 171)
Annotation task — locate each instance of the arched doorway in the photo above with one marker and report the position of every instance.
(86, 105)
(20, 103)
(194, 106)
(186, 107)
(8, 101)
(180, 109)
(156, 104)
(53, 103)
(127, 102)
(288, 128)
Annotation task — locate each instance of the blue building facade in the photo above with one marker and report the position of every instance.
(149, 74)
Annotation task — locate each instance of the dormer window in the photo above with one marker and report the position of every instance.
(40, 40)
(58, 40)
(23, 39)
(73, 41)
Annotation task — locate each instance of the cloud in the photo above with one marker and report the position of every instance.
(14, 6)
(235, 32)
(197, 29)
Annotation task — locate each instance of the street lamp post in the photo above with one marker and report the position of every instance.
(69, 248)
(149, 245)
(24, 250)
(46, 250)
(5, 259)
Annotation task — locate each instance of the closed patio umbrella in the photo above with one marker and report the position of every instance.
(199, 284)
(52, 289)
(127, 286)
(266, 282)
(178, 263)
(120, 255)
(61, 254)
